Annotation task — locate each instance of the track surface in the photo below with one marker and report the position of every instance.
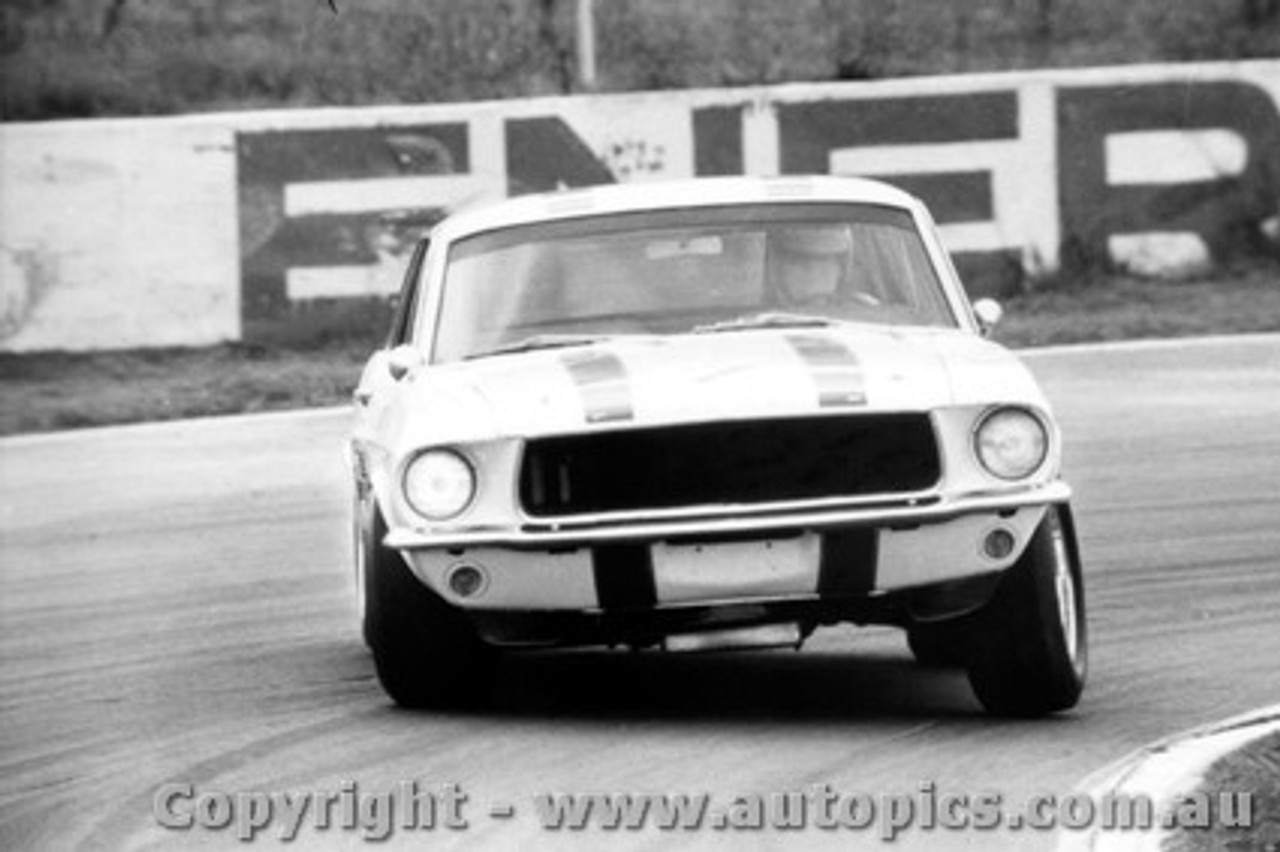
(176, 604)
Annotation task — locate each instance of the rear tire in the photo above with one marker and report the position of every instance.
(425, 651)
(1029, 651)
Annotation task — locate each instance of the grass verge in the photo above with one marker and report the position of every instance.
(51, 391)
(96, 58)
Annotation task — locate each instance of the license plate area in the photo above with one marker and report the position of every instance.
(687, 573)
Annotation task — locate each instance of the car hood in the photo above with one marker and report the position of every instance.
(650, 381)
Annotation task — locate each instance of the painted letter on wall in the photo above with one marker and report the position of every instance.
(1200, 160)
(330, 215)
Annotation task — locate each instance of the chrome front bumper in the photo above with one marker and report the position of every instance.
(551, 535)
(727, 560)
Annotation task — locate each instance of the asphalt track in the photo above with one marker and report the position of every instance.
(176, 605)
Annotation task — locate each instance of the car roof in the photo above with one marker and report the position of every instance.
(696, 192)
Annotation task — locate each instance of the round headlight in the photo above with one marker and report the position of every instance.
(439, 484)
(1011, 443)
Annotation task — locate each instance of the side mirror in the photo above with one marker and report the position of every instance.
(988, 313)
(403, 360)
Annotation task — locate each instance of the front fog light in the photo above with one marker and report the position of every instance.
(467, 580)
(439, 484)
(1011, 443)
(998, 544)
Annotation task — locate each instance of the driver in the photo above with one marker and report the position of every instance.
(807, 264)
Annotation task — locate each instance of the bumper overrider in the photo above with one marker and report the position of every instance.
(641, 579)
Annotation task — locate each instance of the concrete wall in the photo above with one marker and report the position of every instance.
(278, 225)
(116, 234)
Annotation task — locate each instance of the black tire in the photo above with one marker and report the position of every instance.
(938, 645)
(1028, 655)
(425, 651)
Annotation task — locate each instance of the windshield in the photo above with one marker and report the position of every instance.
(685, 270)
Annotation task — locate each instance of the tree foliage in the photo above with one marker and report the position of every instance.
(137, 57)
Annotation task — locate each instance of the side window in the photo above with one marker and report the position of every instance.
(406, 301)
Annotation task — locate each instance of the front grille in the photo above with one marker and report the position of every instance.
(756, 461)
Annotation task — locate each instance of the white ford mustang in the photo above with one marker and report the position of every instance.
(699, 415)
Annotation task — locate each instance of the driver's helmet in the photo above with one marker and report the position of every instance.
(809, 262)
(832, 241)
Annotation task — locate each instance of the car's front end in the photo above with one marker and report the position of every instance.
(702, 477)
(722, 478)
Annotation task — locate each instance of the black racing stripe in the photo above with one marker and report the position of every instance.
(847, 565)
(624, 576)
(602, 381)
(834, 367)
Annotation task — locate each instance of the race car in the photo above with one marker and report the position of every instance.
(702, 415)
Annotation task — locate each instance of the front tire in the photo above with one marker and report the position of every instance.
(425, 651)
(1028, 655)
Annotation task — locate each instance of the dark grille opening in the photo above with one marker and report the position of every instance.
(755, 461)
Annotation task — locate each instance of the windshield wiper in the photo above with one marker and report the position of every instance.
(543, 341)
(766, 320)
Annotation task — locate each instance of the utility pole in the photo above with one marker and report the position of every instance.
(586, 45)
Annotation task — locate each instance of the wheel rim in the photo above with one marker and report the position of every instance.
(1064, 585)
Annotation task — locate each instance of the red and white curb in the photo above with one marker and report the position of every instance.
(1163, 772)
